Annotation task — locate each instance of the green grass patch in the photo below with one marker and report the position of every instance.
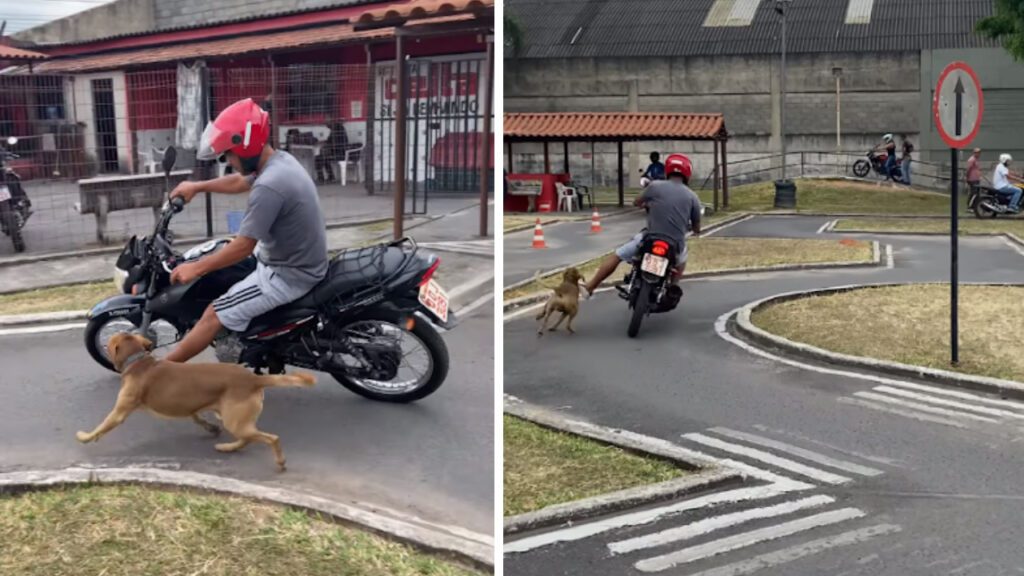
(544, 467)
(72, 297)
(130, 530)
(910, 324)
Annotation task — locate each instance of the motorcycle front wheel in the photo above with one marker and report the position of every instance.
(861, 168)
(421, 345)
(13, 227)
(643, 300)
(100, 329)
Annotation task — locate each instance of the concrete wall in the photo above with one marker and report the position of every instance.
(120, 17)
(880, 93)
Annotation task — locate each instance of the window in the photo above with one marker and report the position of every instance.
(312, 90)
(49, 98)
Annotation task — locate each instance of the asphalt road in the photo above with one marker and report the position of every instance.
(432, 459)
(897, 484)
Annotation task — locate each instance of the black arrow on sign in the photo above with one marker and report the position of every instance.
(959, 89)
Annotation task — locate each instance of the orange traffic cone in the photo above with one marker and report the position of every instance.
(595, 222)
(538, 236)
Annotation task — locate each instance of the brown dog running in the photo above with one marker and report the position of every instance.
(566, 300)
(173, 390)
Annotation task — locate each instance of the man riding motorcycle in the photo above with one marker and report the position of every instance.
(889, 145)
(1001, 181)
(672, 209)
(283, 223)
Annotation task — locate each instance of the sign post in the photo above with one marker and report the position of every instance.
(957, 107)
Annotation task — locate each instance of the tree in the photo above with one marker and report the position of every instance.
(1007, 26)
(514, 35)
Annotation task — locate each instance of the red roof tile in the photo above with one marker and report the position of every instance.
(613, 126)
(419, 9)
(12, 53)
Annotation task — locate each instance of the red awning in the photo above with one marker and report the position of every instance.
(420, 9)
(12, 53)
(613, 126)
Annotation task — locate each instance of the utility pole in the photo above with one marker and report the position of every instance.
(785, 190)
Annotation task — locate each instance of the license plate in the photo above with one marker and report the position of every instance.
(5, 193)
(435, 299)
(654, 264)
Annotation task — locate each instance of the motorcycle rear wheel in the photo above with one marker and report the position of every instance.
(12, 225)
(861, 168)
(983, 213)
(643, 300)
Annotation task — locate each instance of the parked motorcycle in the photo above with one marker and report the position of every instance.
(987, 202)
(647, 284)
(358, 324)
(875, 160)
(15, 207)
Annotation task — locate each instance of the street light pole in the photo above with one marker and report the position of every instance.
(785, 190)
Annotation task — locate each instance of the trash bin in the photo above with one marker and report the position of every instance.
(235, 221)
(785, 194)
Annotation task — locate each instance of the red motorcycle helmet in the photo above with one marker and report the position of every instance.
(242, 128)
(678, 164)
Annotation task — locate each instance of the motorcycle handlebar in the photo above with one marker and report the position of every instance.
(177, 204)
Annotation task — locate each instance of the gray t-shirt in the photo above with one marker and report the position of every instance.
(284, 215)
(673, 209)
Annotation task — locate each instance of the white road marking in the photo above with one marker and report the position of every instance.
(769, 458)
(716, 547)
(786, 555)
(951, 403)
(962, 395)
(580, 531)
(708, 525)
(41, 329)
(1013, 245)
(797, 451)
(889, 263)
(825, 227)
(729, 225)
(467, 309)
(922, 407)
(907, 413)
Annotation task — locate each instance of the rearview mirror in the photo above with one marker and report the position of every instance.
(169, 158)
(12, 140)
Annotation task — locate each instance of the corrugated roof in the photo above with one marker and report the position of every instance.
(640, 28)
(418, 9)
(613, 126)
(12, 53)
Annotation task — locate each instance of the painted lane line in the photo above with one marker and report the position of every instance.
(729, 225)
(951, 403)
(41, 329)
(714, 523)
(962, 395)
(923, 407)
(716, 547)
(769, 458)
(799, 452)
(826, 227)
(466, 310)
(581, 531)
(900, 412)
(787, 555)
(1013, 245)
(889, 263)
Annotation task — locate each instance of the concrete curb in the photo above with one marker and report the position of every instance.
(876, 261)
(42, 318)
(709, 476)
(745, 328)
(474, 551)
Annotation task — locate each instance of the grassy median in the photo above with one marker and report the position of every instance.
(544, 467)
(73, 297)
(910, 324)
(137, 531)
(719, 254)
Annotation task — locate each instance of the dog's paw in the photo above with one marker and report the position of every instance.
(83, 437)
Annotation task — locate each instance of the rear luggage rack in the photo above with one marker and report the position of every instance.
(372, 267)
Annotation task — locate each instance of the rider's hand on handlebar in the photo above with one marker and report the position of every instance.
(187, 190)
(186, 273)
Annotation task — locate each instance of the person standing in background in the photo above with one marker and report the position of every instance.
(906, 159)
(974, 170)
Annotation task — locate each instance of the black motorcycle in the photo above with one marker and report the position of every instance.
(357, 324)
(647, 287)
(15, 207)
(987, 202)
(876, 160)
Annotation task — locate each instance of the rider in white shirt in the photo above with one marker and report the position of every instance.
(1001, 181)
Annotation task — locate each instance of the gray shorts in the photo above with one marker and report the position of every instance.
(627, 251)
(259, 293)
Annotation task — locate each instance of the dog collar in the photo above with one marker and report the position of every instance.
(132, 360)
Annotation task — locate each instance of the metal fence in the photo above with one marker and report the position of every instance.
(90, 146)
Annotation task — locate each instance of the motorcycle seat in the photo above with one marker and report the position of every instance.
(351, 270)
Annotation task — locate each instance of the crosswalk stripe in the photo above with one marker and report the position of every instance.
(720, 546)
(951, 403)
(922, 407)
(768, 458)
(960, 394)
(797, 451)
(713, 523)
(786, 555)
(580, 531)
(901, 412)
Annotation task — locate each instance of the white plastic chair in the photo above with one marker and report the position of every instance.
(358, 161)
(152, 161)
(567, 196)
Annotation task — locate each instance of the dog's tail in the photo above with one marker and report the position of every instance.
(300, 379)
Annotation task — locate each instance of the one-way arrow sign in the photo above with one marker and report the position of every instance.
(958, 105)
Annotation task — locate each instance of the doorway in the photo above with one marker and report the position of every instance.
(106, 124)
